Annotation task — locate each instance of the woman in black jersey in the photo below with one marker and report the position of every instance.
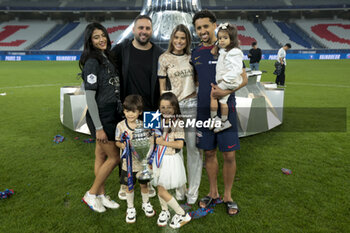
(102, 89)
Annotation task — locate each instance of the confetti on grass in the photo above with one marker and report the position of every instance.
(201, 212)
(286, 171)
(58, 138)
(6, 194)
(90, 140)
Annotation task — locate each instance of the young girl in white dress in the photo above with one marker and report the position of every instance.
(168, 167)
(228, 72)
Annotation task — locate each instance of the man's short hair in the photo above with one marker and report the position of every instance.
(254, 43)
(288, 45)
(143, 17)
(204, 14)
(133, 103)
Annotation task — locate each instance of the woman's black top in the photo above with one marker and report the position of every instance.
(102, 78)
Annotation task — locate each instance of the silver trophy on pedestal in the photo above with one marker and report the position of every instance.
(141, 143)
(165, 15)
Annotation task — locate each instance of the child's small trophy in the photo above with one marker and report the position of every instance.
(141, 144)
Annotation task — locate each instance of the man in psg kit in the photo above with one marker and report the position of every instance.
(137, 63)
(227, 141)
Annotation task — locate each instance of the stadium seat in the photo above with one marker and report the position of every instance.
(21, 35)
(278, 34)
(247, 34)
(333, 34)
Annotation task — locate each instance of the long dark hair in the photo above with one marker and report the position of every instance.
(184, 29)
(89, 50)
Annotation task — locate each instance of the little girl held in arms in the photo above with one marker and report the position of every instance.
(228, 73)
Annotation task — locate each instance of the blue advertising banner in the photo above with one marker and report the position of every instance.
(265, 56)
(39, 57)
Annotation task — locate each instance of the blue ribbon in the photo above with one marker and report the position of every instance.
(155, 146)
(157, 150)
(127, 154)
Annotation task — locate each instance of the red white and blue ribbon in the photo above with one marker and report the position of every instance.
(127, 154)
(158, 151)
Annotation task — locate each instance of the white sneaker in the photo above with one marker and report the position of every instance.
(122, 192)
(148, 209)
(130, 215)
(151, 191)
(93, 202)
(163, 218)
(224, 125)
(107, 202)
(214, 120)
(179, 220)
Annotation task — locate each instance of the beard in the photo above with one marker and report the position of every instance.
(143, 43)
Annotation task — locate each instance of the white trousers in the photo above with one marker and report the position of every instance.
(188, 108)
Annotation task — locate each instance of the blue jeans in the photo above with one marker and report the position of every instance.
(254, 66)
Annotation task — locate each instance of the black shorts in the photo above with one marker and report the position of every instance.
(124, 178)
(109, 118)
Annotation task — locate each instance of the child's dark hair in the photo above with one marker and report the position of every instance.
(232, 33)
(133, 103)
(173, 101)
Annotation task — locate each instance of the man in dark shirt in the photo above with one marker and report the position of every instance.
(137, 62)
(255, 56)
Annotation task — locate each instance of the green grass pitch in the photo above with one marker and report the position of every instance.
(50, 179)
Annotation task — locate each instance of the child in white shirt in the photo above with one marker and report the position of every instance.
(228, 72)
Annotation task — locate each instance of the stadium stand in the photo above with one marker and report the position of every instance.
(319, 2)
(293, 36)
(21, 35)
(278, 34)
(269, 39)
(21, 3)
(333, 34)
(305, 36)
(249, 3)
(45, 39)
(89, 3)
(247, 34)
(211, 4)
(66, 37)
(56, 32)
